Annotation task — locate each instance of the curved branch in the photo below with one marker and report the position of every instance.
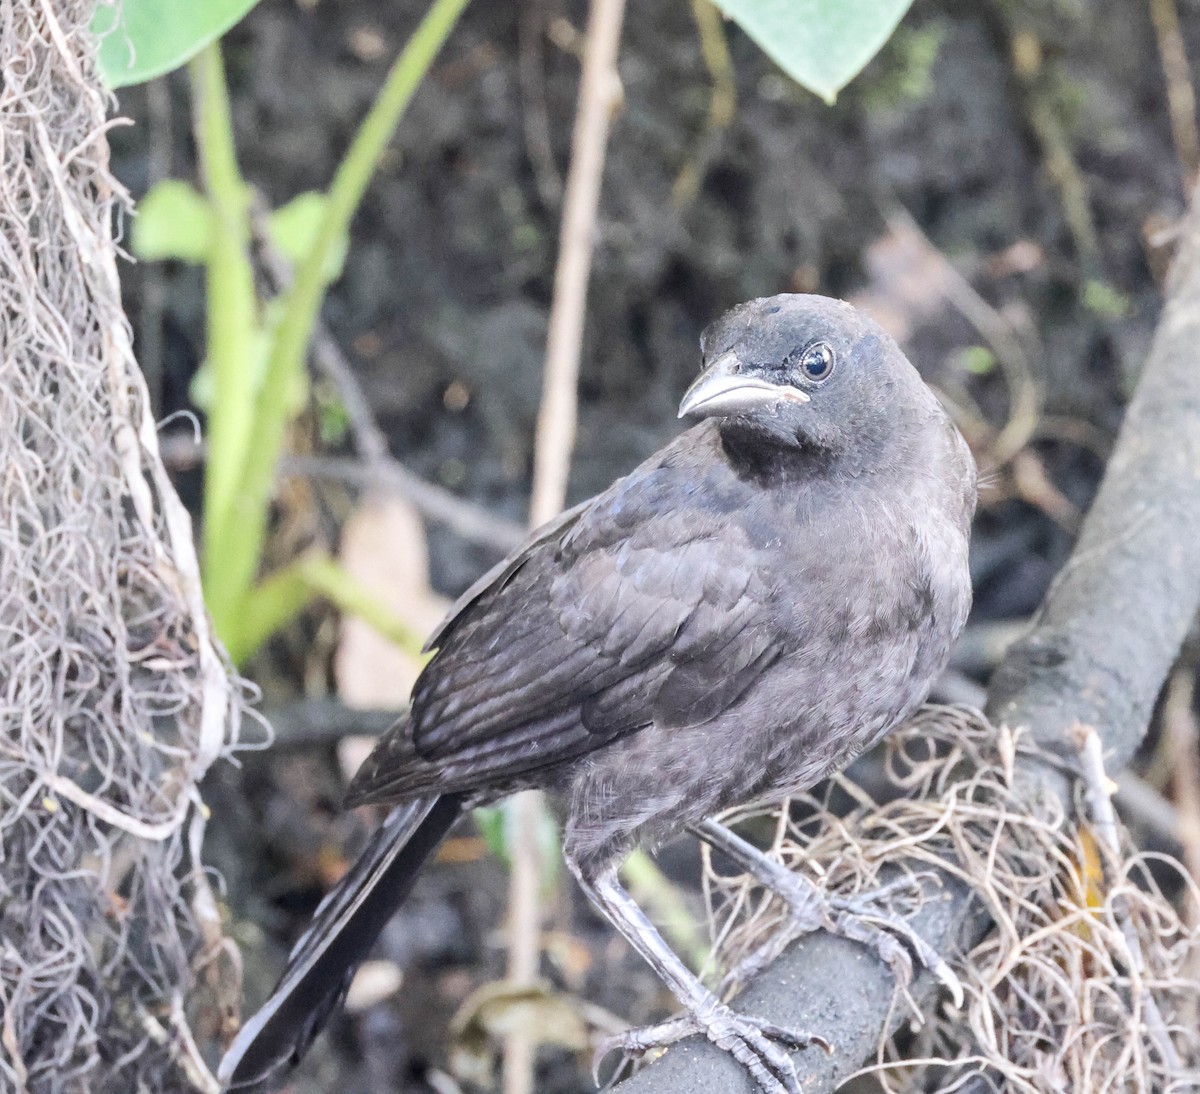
(1098, 654)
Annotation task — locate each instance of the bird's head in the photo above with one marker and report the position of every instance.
(806, 371)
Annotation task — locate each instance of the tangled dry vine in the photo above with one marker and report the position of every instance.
(113, 697)
(1086, 984)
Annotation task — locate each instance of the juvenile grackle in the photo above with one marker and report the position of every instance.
(740, 616)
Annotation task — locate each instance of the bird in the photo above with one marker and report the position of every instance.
(737, 618)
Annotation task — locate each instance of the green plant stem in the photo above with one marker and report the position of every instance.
(302, 303)
(282, 596)
(231, 326)
(335, 583)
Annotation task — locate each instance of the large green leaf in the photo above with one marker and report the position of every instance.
(822, 44)
(156, 36)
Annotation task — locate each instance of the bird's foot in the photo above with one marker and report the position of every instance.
(757, 1045)
(868, 918)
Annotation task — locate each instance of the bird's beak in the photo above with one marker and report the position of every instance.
(721, 390)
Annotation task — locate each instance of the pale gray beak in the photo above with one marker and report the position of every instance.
(720, 390)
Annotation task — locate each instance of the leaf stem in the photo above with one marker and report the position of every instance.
(302, 303)
(231, 326)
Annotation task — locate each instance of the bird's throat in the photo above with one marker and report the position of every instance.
(766, 459)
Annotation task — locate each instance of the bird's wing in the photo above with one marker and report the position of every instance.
(502, 571)
(642, 605)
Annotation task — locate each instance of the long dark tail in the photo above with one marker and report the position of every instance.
(344, 928)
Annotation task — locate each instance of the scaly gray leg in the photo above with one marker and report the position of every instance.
(752, 1042)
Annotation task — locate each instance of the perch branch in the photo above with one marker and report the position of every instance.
(1097, 655)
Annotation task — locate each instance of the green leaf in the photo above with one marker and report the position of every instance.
(492, 825)
(495, 824)
(153, 37)
(978, 360)
(1104, 300)
(821, 44)
(174, 220)
(294, 228)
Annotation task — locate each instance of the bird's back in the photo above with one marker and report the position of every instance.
(679, 644)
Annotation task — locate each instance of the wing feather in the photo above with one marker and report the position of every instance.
(634, 607)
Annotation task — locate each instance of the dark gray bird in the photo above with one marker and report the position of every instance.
(740, 616)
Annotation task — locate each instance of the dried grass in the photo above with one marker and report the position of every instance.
(1089, 981)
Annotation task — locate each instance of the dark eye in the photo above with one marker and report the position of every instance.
(817, 361)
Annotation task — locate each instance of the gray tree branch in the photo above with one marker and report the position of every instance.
(1098, 653)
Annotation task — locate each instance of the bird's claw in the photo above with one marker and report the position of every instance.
(868, 919)
(759, 1046)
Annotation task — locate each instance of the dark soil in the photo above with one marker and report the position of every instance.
(448, 283)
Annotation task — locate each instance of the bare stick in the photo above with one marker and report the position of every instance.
(1025, 396)
(531, 62)
(1179, 723)
(469, 520)
(598, 93)
(1104, 820)
(1181, 96)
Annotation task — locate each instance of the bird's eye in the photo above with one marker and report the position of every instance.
(817, 361)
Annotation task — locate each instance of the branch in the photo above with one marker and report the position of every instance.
(1098, 654)
(471, 521)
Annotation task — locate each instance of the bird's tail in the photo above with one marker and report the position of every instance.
(344, 928)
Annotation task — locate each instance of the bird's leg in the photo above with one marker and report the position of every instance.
(752, 1042)
(866, 919)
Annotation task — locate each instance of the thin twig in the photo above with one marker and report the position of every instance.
(380, 469)
(1034, 486)
(1045, 117)
(554, 441)
(1146, 810)
(1099, 787)
(531, 60)
(309, 723)
(1024, 393)
(470, 521)
(1183, 745)
(325, 352)
(1181, 96)
(598, 94)
(722, 101)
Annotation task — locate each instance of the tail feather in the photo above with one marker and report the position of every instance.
(343, 930)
